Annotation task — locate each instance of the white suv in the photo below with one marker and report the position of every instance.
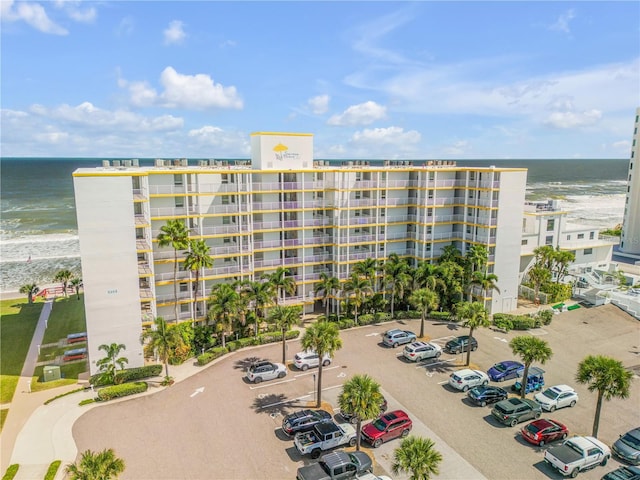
(305, 360)
(265, 370)
(466, 378)
(418, 351)
(557, 397)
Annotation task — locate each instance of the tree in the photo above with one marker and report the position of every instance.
(451, 254)
(424, 300)
(530, 349)
(30, 290)
(473, 315)
(452, 274)
(198, 257)
(608, 377)
(325, 287)
(261, 295)
(76, 283)
(109, 364)
(283, 283)
(538, 275)
(224, 304)
(368, 268)
(477, 257)
(396, 276)
(357, 287)
(162, 339)
(174, 234)
(418, 457)
(102, 465)
(361, 398)
(284, 317)
(427, 275)
(324, 339)
(486, 281)
(561, 261)
(63, 276)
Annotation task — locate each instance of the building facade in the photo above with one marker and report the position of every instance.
(281, 209)
(630, 238)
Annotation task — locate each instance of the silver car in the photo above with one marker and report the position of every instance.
(466, 378)
(395, 337)
(419, 351)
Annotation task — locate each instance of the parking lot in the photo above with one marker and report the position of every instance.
(231, 429)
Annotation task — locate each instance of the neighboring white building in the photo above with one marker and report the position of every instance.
(282, 210)
(630, 238)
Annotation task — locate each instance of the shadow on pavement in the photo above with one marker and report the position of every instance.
(543, 468)
(244, 363)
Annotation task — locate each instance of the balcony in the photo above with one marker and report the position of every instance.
(174, 211)
(144, 269)
(141, 220)
(168, 276)
(142, 245)
(364, 202)
(146, 293)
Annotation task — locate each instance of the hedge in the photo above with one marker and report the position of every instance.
(410, 314)
(128, 374)
(440, 315)
(210, 355)
(557, 291)
(53, 469)
(47, 402)
(506, 321)
(123, 390)
(262, 339)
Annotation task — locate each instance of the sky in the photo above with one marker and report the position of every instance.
(369, 80)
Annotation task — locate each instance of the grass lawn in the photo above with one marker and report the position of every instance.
(3, 416)
(50, 353)
(67, 316)
(69, 373)
(18, 321)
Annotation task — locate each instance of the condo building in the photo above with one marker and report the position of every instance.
(285, 209)
(630, 238)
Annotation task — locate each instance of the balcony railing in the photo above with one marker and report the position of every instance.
(174, 211)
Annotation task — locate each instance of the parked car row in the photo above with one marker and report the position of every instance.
(265, 370)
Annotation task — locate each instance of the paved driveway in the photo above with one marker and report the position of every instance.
(231, 429)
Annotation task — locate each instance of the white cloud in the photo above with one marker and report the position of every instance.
(125, 27)
(319, 104)
(73, 9)
(562, 23)
(386, 136)
(210, 136)
(32, 14)
(569, 119)
(457, 148)
(174, 33)
(228, 43)
(362, 114)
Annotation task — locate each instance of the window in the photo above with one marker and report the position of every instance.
(472, 175)
(179, 202)
(225, 178)
(383, 212)
(587, 251)
(381, 248)
(581, 236)
(225, 200)
(383, 194)
(184, 287)
(592, 235)
(525, 242)
(358, 195)
(177, 180)
(548, 240)
(551, 224)
(226, 240)
(430, 194)
(568, 237)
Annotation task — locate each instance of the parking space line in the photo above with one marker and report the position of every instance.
(272, 384)
(325, 369)
(328, 388)
(286, 401)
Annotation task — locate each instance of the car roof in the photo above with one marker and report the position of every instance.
(260, 363)
(561, 388)
(508, 362)
(543, 423)
(394, 414)
(327, 427)
(335, 458)
(467, 371)
(417, 344)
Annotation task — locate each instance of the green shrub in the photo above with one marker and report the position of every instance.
(346, 323)
(502, 322)
(116, 391)
(382, 317)
(546, 316)
(410, 314)
(53, 469)
(210, 355)
(557, 291)
(47, 402)
(272, 337)
(442, 316)
(11, 472)
(86, 401)
(366, 319)
(128, 374)
(522, 322)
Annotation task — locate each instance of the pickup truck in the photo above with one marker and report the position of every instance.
(325, 436)
(576, 455)
(337, 466)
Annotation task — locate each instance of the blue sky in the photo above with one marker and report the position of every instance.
(389, 80)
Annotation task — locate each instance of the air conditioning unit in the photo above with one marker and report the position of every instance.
(159, 162)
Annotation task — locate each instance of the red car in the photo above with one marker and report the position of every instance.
(387, 427)
(544, 431)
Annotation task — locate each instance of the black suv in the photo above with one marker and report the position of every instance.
(460, 344)
(303, 420)
(353, 420)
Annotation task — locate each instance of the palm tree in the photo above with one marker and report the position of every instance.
(424, 300)
(357, 287)
(261, 295)
(174, 234)
(477, 257)
(538, 275)
(109, 364)
(102, 465)
(427, 275)
(30, 290)
(452, 274)
(361, 398)
(417, 456)
(450, 254)
(76, 283)
(530, 349)
(324, 339)
(224, 308)
(606, 375)
(162, 339)
(284, 317)
(561, 261)
(325, 288)
(283, 283)
(396, 276)
(63, 276)
(486, 281)
(368, 268)
(197, 258)
(473, 315)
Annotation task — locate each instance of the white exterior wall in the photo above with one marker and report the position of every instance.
(630, 239)
(104, 208)
(281, 151)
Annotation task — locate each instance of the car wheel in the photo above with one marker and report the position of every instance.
(513, 422)
(483, 404)
(465, 388)
(501, 379)
(304, 367)
(574, 473)
(438, 354)
(282, 374)
(316, 453)
(353, 420)
(485, 382)
(326, 363)
(377, 443)
(604, 461)
(395, 345)
(572, 404)
(405, 432)
(257, 380)
(538, 414)
(474, 348)
(352, 442)
(552, 408)
(541, 444)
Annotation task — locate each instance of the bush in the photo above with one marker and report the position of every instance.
(410, 314)
(11, 472)
(63, 395)
(546, 316)
(128, 374)
(53, 469)
(86, 401)
(502, 322)
(382, 317)
(346, 323)
(272, 337)
(557, 291)
(366, 319)
(117, 391)
(241, 342)
(210, 355)
(442, 316)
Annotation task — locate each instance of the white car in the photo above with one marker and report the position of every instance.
(307, 359)
(418, 351)
(264, 370)
(466, 378)
(557, 396)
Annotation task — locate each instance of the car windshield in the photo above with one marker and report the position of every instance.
(551, 394)
(354, 459)
(573, 446)
(500, 367)
(379, 425)
(532, 428)
(633, 442)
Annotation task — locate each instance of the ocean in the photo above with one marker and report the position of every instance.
(39, 237)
